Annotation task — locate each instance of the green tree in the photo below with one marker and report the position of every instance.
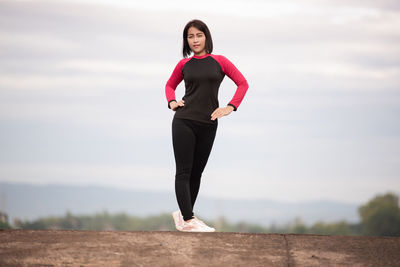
(381, 216)
(338, 228)
(297, 227)
(5, 225)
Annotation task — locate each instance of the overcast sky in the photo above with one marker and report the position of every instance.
(82, 96)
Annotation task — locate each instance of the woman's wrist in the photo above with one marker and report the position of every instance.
(169, 103)
(234, 108)
(230, 107)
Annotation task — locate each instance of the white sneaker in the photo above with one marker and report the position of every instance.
(182, 225)
(193, 226)
(178, 219)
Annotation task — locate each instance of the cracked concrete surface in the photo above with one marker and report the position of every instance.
(162, 248)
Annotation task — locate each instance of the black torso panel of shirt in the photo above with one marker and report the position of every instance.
(202, 77)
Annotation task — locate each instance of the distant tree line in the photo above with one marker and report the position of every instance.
(379, 217)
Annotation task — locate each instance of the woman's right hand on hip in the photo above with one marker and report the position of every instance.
(175, 105)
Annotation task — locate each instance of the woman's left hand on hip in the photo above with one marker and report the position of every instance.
(220, 112)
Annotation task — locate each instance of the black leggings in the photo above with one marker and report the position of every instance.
(192, 141)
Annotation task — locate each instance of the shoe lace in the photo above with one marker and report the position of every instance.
(192, 224)
(199, 220)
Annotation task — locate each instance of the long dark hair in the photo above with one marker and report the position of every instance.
(201, 26)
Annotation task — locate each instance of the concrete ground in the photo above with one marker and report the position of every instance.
(162, 248)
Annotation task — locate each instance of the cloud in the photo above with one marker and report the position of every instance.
(84, 78)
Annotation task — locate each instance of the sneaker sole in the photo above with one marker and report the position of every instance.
(195, 230)
(200, 229)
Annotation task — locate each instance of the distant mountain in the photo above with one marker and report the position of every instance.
(27, 201)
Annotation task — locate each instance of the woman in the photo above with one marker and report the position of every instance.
(195, 122)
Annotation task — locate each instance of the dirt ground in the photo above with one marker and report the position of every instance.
(164, 248)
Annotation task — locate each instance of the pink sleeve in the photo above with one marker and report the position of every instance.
(236, 76)
(173, 82)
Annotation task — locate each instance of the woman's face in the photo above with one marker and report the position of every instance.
(197, 41)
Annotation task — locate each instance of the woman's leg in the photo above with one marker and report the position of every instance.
(205, 135)
(183, 139)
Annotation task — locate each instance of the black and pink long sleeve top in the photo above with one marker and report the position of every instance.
(203, 76)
